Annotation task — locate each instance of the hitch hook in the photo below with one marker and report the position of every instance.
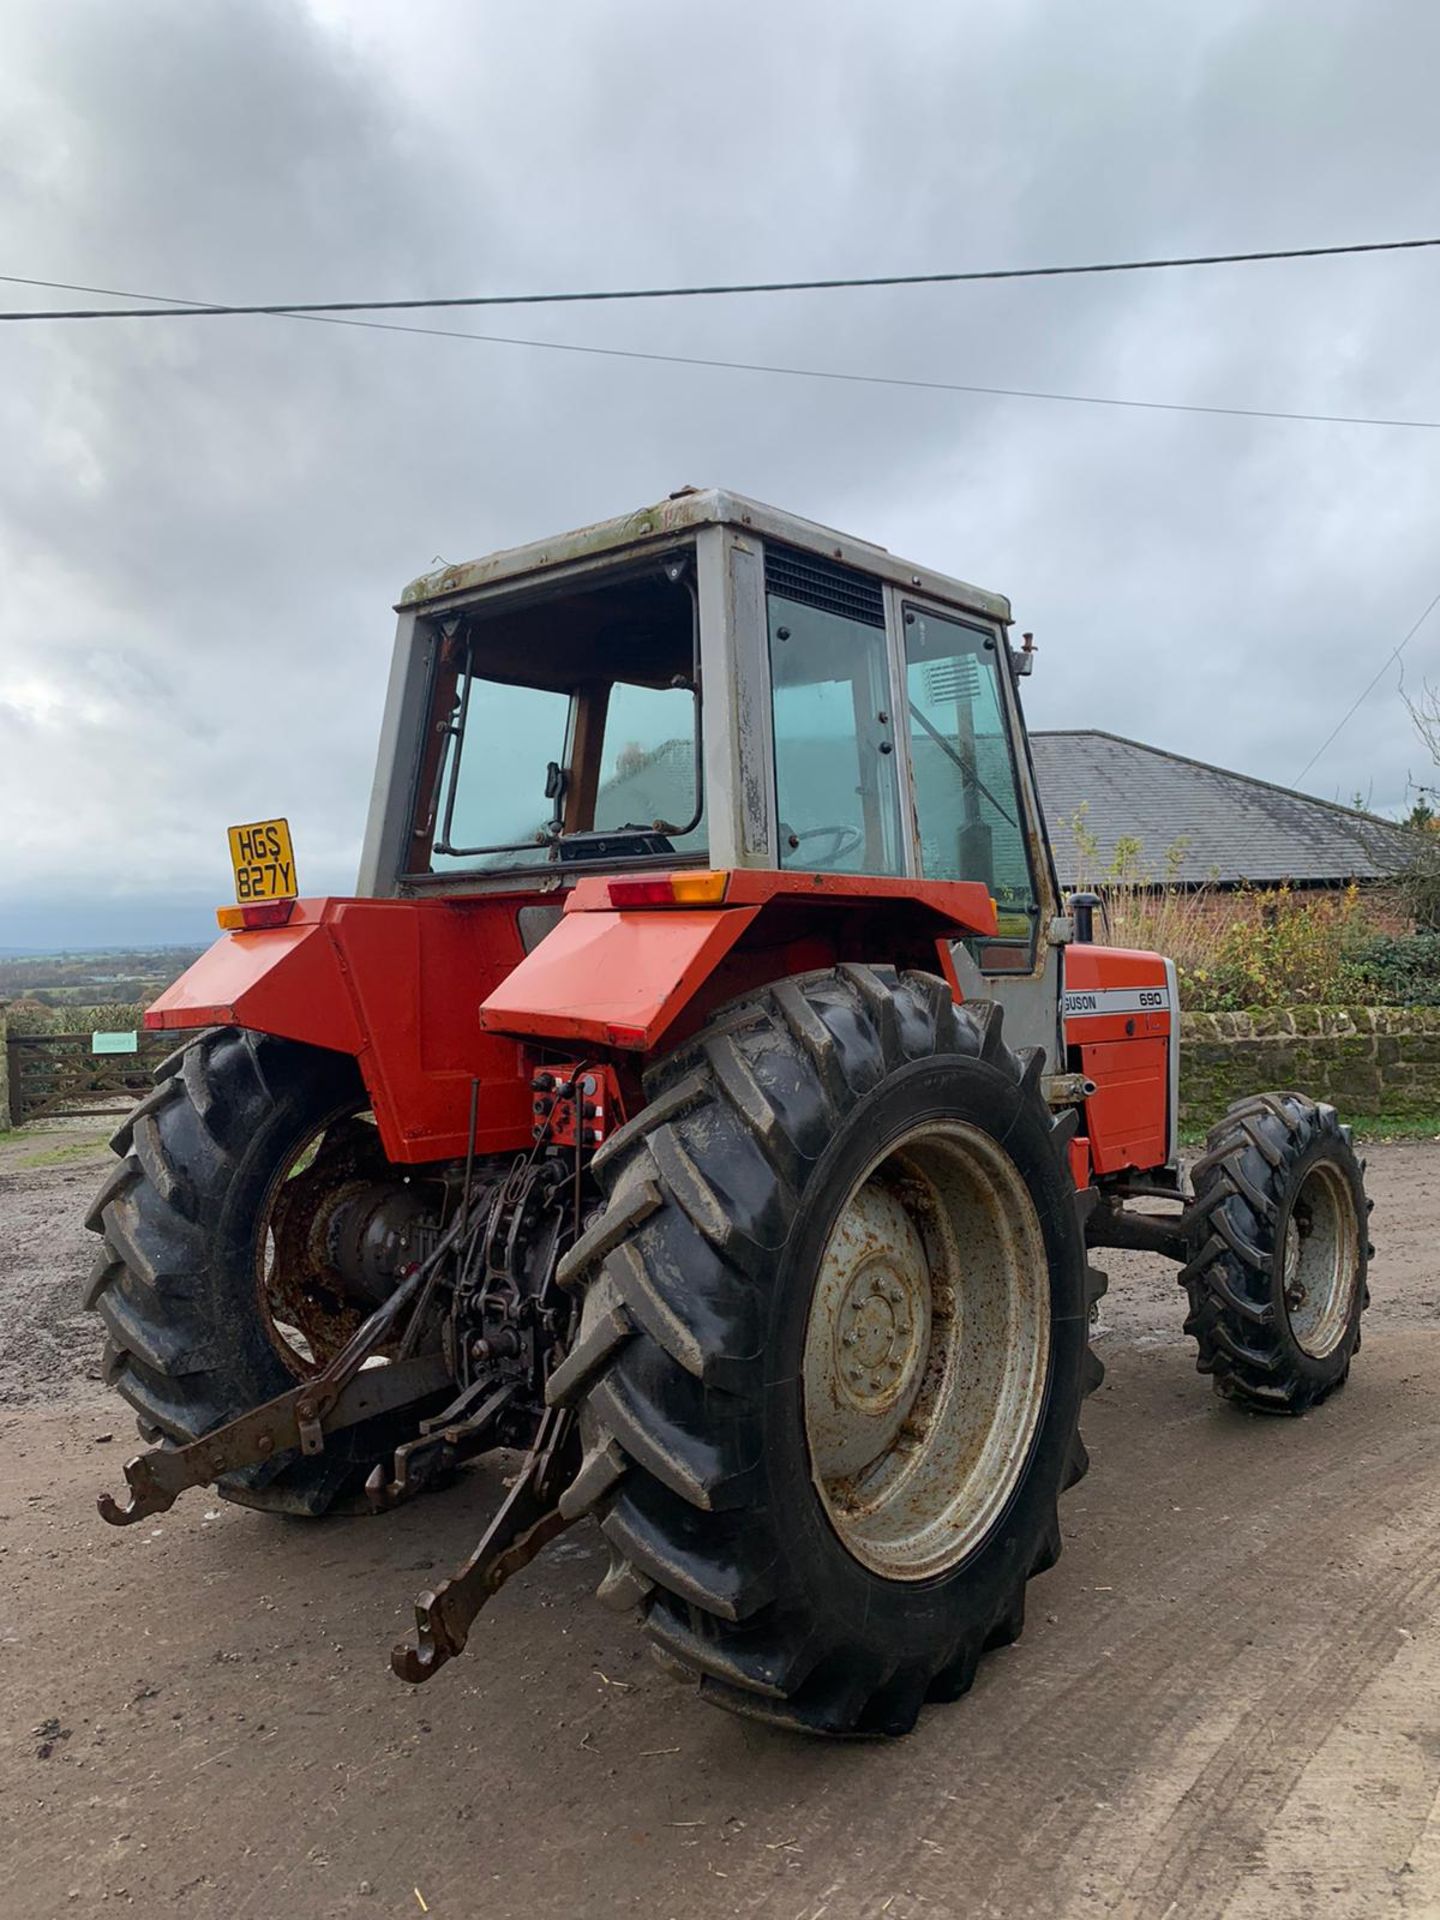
(528, 1520)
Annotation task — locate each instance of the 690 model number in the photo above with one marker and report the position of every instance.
(1110, 1000)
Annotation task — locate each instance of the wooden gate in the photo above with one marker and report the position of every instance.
(54, 1073)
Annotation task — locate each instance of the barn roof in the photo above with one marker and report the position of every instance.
(1231, 826)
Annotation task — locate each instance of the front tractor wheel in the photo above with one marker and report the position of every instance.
(1279, 1284)
(832, 1350)
(220, 1281)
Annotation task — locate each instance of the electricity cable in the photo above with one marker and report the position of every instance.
(209, 309)
(1369, 688)
(845, 377)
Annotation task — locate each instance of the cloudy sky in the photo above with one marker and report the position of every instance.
(203, 524)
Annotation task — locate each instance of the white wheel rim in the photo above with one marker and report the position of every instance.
(927, 1351)
(1321, 1261)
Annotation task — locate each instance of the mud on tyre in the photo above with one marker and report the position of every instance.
(846, 1202)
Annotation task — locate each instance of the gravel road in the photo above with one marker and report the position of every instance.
(1226, 1702)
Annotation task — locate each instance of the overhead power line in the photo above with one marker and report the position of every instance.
(209, 310)
(830, 373)
(1364, 695)
(896, 380)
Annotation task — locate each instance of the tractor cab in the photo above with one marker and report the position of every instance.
(708, 684)
(714, 685)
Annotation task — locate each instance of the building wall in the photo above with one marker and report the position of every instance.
(1382, 903)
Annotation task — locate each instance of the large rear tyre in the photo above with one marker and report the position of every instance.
(193, 1338)
(832, 1350)
(1278, 1287)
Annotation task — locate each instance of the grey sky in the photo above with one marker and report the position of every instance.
(203, 523)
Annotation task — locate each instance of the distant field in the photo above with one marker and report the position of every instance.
(115, 976)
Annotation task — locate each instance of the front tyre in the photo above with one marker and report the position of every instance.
(1279, 1284)
(832, 1350)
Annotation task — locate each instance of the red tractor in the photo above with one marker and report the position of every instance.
(707, 1092)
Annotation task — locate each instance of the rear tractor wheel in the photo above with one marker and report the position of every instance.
(1278, 1287)
(251, 1225)
(832, 1350)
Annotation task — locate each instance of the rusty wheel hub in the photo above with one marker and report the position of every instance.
(927, 1351)
(335, 1239)
(869, 1331)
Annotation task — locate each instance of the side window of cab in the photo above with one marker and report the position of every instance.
(836, 789)
(968, 801)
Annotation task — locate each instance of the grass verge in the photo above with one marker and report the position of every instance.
(86, 1149)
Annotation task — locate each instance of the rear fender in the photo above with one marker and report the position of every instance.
(395, 984)
(635, 978)
(282, 980)
(431, 996)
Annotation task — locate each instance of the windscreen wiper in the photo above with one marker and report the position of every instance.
(969, 773)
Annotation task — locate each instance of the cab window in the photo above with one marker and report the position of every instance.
(836, 795)
(568, 730)
(967, 789)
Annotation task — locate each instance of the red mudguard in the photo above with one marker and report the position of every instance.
(397, 984)
(617, 977)
(431, 995)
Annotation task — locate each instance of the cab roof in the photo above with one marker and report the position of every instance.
(685, 511)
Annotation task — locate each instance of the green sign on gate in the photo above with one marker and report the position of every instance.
(114, 1042)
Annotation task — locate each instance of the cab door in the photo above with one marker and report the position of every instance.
(975, 810)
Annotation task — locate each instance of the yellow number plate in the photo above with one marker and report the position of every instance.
(264, 861)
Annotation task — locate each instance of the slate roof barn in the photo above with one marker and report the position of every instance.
(1235, 828)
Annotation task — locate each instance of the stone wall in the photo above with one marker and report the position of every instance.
(1367, 1061)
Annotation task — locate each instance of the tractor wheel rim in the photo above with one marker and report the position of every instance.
(1321, 1260)
(927, 1351)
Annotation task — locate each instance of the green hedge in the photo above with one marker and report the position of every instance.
(1396, 971)
(112, 1017)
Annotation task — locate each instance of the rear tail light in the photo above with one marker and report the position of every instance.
(670, 890)
(260, 913)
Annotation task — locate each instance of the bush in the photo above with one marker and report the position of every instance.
(1252, 947)
(1272, 947)
(1278, 948)
(1391, 971)
(114, 1016)
(32, 1016)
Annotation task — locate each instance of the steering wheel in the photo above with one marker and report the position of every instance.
(847, 841)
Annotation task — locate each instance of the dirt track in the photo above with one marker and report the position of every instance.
(1227, 1699)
